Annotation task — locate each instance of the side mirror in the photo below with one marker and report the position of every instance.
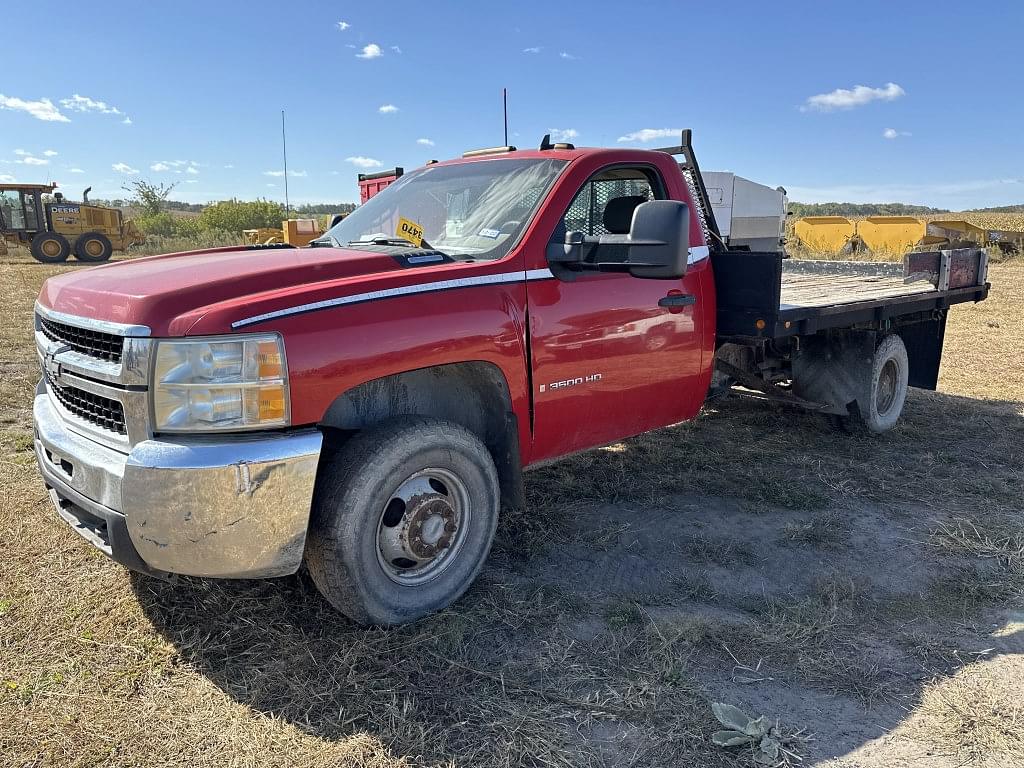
(659, 240)
(337, 219)
(657, 246)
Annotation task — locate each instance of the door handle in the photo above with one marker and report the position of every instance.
(677, 300)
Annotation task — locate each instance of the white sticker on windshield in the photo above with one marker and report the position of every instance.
(491, 233)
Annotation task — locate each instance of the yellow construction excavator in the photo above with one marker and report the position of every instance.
(55, 228)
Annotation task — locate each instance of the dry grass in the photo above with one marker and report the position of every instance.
(753, 556)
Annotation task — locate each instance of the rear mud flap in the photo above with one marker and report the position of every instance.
(835, 371)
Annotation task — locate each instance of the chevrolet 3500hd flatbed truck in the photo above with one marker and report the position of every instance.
(365, 405)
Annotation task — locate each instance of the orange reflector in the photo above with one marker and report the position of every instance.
(271, 403)
(760, 325)
(269, 357)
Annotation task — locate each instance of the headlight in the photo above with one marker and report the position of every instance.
(220, 383)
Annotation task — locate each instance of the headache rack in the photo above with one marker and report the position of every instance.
(691, 172)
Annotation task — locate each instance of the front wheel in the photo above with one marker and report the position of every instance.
(402, 521)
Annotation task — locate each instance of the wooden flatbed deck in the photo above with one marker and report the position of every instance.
(804, 290)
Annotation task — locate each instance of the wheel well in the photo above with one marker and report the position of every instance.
(472, 394)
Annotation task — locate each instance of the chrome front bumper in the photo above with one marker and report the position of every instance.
(234, 507)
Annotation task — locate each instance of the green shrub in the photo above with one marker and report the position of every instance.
(157, 224)
(236, 215)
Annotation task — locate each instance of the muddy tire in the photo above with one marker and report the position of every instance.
(50, 248)
(890, 370)
(93, 247)
(403, 518)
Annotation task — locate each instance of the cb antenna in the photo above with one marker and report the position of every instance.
(504, 109)
(284, 153)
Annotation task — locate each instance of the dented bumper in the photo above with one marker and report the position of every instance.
(233, 507)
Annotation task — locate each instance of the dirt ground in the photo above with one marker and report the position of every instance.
(865, 592)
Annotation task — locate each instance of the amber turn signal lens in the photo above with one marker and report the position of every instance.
(271, 403)
(269, 357)
(760, 325)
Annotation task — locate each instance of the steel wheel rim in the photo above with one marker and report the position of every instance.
(50, 247)
(93, 247)
(888, 381)
(422, 526)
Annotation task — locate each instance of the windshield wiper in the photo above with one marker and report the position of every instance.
(393, 241)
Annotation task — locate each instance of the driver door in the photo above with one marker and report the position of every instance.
(608, 361)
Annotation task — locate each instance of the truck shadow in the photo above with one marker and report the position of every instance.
(756, 556)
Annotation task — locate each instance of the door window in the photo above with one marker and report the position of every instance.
(596, 211)
(28, 202)
(11, 209)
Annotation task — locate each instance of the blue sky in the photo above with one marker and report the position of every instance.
(191, 92)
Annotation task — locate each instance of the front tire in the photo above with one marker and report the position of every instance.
(50, 248)
(93, 247)
(402, 520)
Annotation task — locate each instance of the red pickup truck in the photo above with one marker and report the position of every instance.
(364, 406)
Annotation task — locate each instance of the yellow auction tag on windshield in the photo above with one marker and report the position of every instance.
(409, 230)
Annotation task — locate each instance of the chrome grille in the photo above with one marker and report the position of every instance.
(103, 346)
(97, 410)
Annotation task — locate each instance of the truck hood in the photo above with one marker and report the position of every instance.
(169, 293)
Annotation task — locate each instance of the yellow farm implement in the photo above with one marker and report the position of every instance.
(898, 234)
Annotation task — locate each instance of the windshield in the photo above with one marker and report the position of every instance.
(468, 210)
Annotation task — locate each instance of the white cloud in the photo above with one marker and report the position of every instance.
(191, 181)
(892, 133)
(387, 109)
(127, 120)
(6, 178)
(75, 170)
(364, 162)
(278, 174)
(848, 98)
(43, 109)
(21, 152)
(30, 160)
(124, 168)
(159, 167)
(343, 25)
(563, 134)
(396, 49)
(532, 49)
(84, 104)
(650, 134)
(569, 56)
(192, 170)
(50, 153)
(425, 142)
(371, 51)
(271, 185)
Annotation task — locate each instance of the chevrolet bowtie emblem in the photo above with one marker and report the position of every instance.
(51, 366)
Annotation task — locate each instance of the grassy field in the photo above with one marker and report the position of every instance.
(864, 591)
